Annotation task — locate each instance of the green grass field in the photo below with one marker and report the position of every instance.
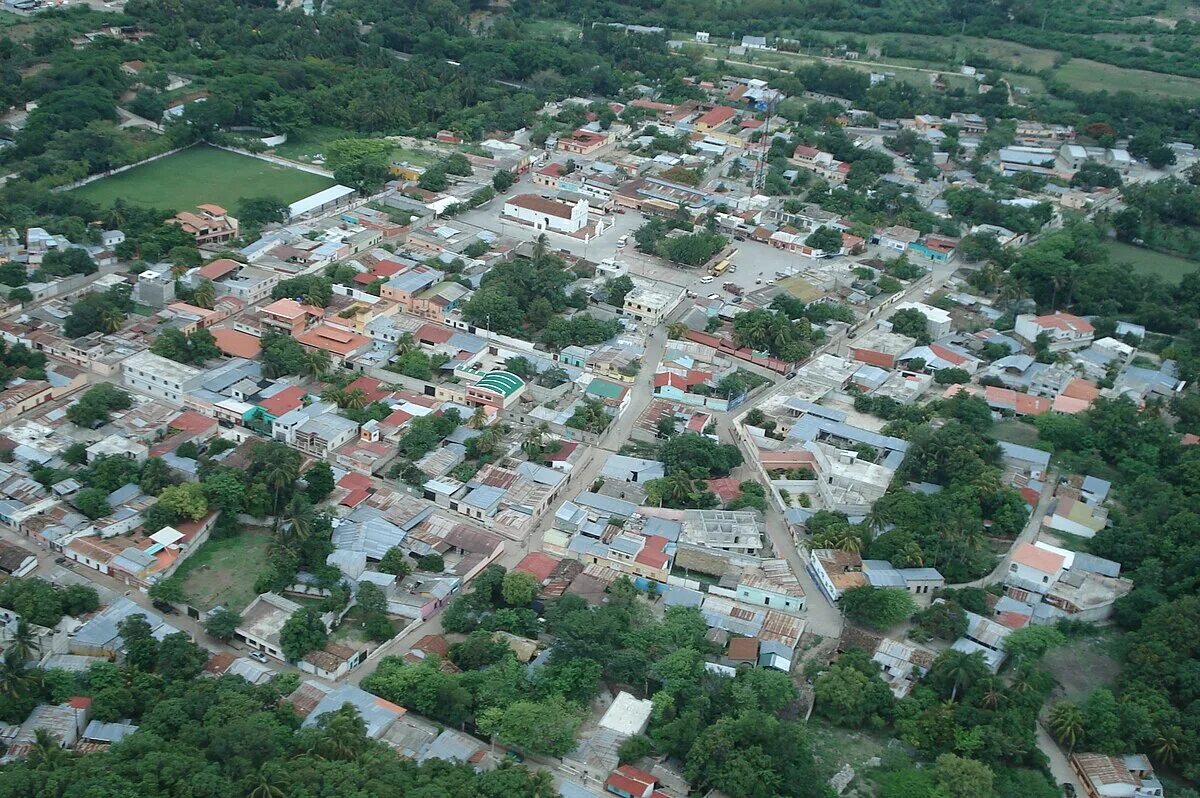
(1169, 267)
(222, 572)
(1088, 75)
(203, 175)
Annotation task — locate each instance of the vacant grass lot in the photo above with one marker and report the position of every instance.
(1013, 431)
(1088, 75)
(222, 572)
(1169, 267)
(203, 175)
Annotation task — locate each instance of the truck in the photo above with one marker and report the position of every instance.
(733, 288)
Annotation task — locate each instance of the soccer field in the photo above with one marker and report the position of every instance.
(202, 175)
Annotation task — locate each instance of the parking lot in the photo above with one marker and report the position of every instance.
(755, 263)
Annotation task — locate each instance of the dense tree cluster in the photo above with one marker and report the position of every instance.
(227, 737)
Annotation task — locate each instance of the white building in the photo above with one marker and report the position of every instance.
(652, 304)
(1064, 330)
(937, 321)
(159, 377)
(1036, 565)
(542, 213)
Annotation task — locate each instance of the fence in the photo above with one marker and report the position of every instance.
(120, 169)
(278, 161)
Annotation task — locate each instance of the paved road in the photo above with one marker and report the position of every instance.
(1029, 534)
(1060, 767)
(584, 473)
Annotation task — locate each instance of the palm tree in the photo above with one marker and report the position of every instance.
(479, 418)
(24, 642)
(45, 753)
(1166, 744)
(301, 520)
(405, 344)
(335, 394)
(205, 294)
(265, 785)
(540, 247)
(111, 319)
(279, 476)
(677, 488)
(1066, 723)
(316, 363)
(535, 441)
(962, 667)
(993, 694)
(355, 399)
(15, 679)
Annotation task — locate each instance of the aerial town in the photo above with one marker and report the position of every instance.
(551, 399)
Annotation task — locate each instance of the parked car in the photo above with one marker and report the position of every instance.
(1068, 789)
(164, 607)
(258, 656)
(714, 296)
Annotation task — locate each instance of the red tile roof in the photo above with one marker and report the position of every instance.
(726, 488)
(631, 781)
(537, 564)
(550, 207)
(1065, 321)
(433, 334)
(744, 649)
(717, 116)
(370, 386)
(193, 422)
(218, 268)
(288, 399)
(653, 554)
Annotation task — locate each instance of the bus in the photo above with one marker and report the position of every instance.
(720, 268)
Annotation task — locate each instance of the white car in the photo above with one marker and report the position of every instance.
(258, 656)
(714, 296)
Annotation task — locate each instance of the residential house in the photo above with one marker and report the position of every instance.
(1126, 776)
(1063, 330)
(210, 225)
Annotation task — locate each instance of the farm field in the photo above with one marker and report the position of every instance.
(1087, 75)
(1169, 267)
(223, 572)
(203, 175)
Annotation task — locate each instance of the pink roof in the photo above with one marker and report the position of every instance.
(1038, 558)
(804, 151)
(1070, 405)
(553, 170)
(333, 339)
(236, 344)
(285, 308)
(1065, 321)
(1079, 388)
